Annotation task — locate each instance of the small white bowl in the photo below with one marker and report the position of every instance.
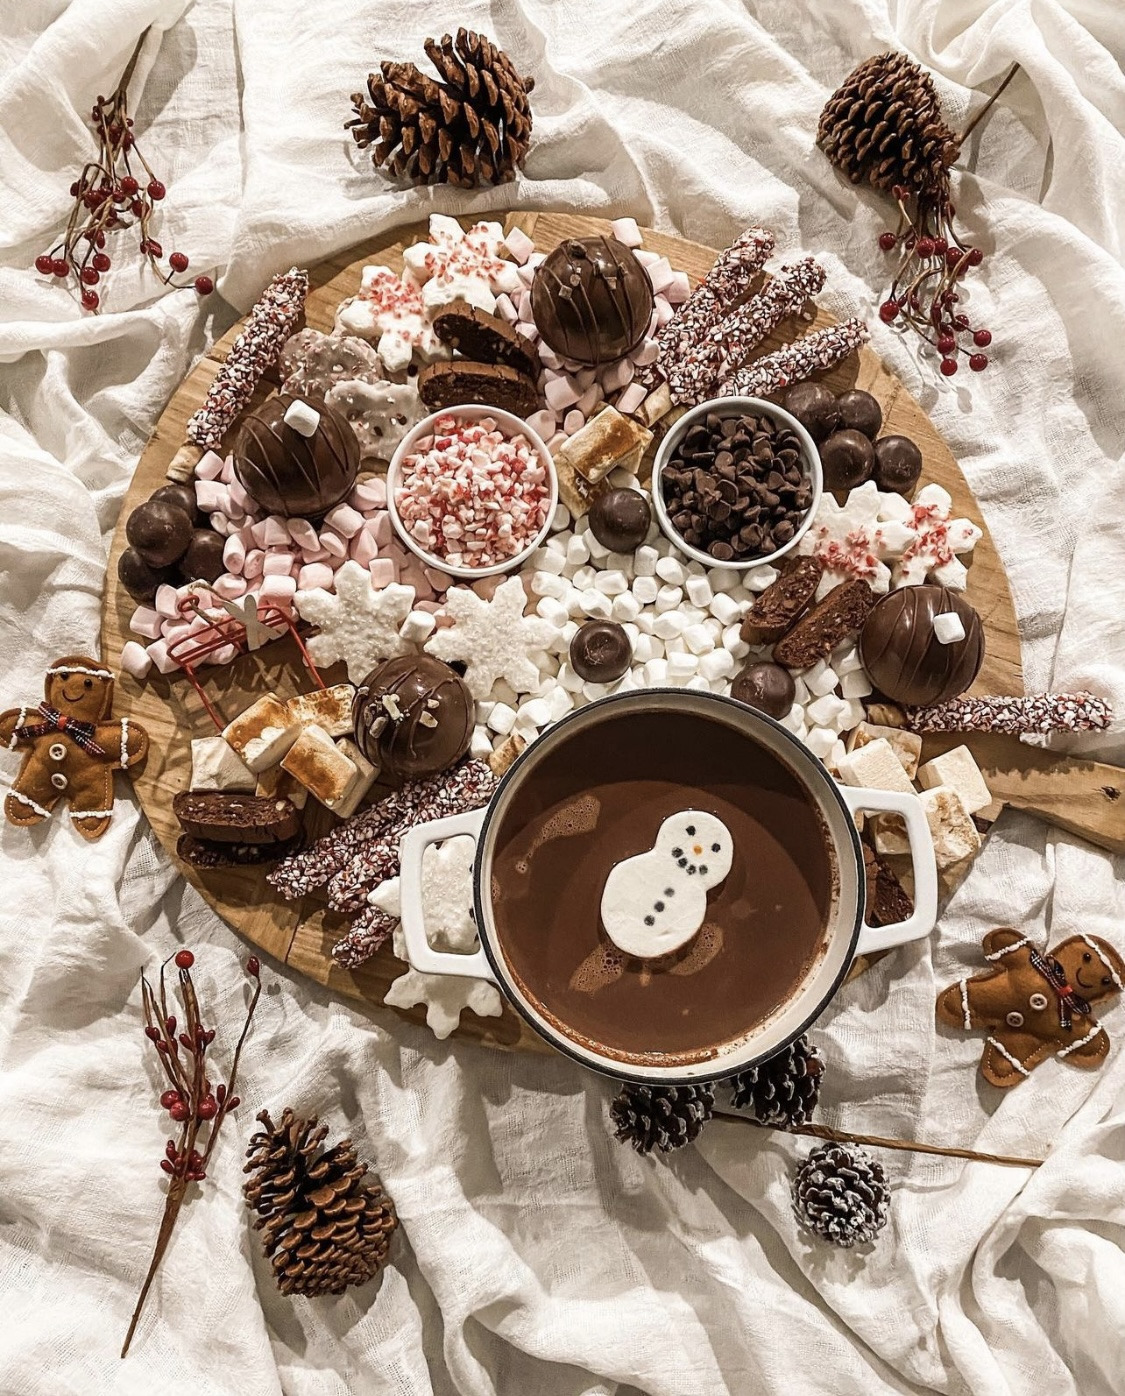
(511, 426)
(736, 407)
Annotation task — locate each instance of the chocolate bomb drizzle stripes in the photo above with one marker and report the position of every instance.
(1039, 712)
(271, 322)
(727, 344)
(794, 363)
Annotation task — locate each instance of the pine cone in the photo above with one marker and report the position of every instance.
(841, 1193)
(884, 124)
(782, 1091)
(474, 127)
(323, 1228)
(661, 1117)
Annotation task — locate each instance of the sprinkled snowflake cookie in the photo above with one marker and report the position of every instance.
(359, 624)
(493, 638)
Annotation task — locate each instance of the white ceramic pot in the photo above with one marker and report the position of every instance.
(847, 934)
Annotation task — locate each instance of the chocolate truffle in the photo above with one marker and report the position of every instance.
(203, 560)
(413, 716)
(767, 687)
(159, 531)
(859, 411)
(289, 473)
(814, 406)
(905, 658)
(600, 651)
(591, 300)
(898, 464)
(182, 496)
(848, 458)
(139, 578)
(620, 519)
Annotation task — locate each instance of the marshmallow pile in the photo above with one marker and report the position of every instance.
(471, 496)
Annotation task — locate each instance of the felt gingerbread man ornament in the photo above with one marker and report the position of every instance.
(1036, 1004)
(72, 746)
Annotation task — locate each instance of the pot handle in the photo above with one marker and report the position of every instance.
(924, 917)
(419, 952)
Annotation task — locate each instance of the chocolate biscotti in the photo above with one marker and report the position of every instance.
(840, 614)
(449, 384)
(782, 603)
(485, 338)
(221, 816)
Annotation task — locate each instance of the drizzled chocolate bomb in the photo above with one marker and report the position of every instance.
(922, 644)
(736, 487)
(413, 716)
(288, 472)
(591, 300)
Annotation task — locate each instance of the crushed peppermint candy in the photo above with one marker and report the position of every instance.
(257, 348)
(471, 496)
(1038, 712)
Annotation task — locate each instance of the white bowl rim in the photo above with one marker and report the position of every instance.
(727, 407)
(512, 426)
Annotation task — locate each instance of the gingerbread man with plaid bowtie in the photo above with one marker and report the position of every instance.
(1036, 1004)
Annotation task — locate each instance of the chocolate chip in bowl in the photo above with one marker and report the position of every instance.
(736, 483)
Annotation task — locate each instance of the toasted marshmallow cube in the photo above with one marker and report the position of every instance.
(875, 766)
(958, 771)
(955, 835)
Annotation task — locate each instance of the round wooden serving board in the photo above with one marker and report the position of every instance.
(301, 934)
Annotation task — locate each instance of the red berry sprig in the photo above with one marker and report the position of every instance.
(109, 198)
(924, 296)
(197, 1107)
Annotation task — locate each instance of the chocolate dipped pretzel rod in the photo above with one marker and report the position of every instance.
(257, 348)
(810, 354)
(728, 281)
(1038, 712)
(728, 344)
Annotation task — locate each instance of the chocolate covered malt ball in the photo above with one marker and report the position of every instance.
(848, 459)
(815, 407)
(139, 578)
(859, 411)
(203, 561)
(413, 716)
(601, 651)
(898, 464)
(620, 519)
(159, 531)
(182, 496)
(765, 686)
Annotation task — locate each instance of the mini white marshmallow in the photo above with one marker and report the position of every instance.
(596, 604)
(855, 685)
(682, 666)
(668, 626)
(569, 680)
(846, 660)
(668, 598)
(820, 741)
(552, 610)
(698, 639)
(723, 608)
(303, 418)
(822, 683)
(699, 591)
(644, 562)
(625, 607)
(611, 583)
(671, 570)
(826, 711)
(948, 628)
(645, 589)
(502, 719)
(547, 584)
(577, 550)
(480, 745)
(417, 627)
(718, 664)
(656, 673)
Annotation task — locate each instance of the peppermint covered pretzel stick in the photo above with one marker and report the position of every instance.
(810, 354)
(271, 322)
(726, 283)
(725, 345)
(1038, 712)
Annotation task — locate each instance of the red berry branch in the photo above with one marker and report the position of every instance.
(198, 1107)
(115, 191)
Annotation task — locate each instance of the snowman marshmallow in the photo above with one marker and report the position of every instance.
(654, 903)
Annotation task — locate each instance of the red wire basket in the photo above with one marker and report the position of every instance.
(237, 631)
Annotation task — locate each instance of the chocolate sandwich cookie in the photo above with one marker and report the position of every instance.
(450, 384)
(485, 338)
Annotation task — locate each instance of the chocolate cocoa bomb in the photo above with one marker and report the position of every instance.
(139, 578)
(859, 411)
(767, 687)
(203, 560)
(848, 458)
(903, 655)
(620, 519)
(182, 496)
(600, 651)
(898, 464)
(290, 474)
(815, 407)
(434, 722)
(159, 531)
(591, 300)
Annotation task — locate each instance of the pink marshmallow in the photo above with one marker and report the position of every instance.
(258, 533)
(221, 523)
(440, 581)
(335, 562)
(302, 533)
(631, 398)
(333, 543)
(590, 399)
(381, 528)
(210, 466)
(547, 356)
(145, 621)
(314, 576)
(210, 496)
(542, 423)
(556, 442)
(135, 659)
(383, 572)
(616, 375)
(275, 532)
(431, 606)
(228, 474)
(277, 590)
(661, 275)
(364, 547)
(167, 600)
(158, 654)
(646, 354)
(239, 499)
(369, 494)
(229, 587)
(527, 274)
(227, 655)
(646, 259)
(663, 311)
(234, 553)
(678, 289)
(252, 567)
(276, 564)
(561, 393)
(519, 245)
(626, 232)
(505, 309)
(573, 421)
(345, 520)
(316, 554)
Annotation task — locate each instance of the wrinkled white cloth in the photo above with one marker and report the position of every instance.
(537, 1255)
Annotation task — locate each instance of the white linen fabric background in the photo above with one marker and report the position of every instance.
(537, 1255)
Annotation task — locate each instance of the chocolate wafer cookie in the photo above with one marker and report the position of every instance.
(485, 338)
(448, 384)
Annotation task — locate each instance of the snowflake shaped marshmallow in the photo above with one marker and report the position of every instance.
(851, 539)
(493, 638)
(445, 995)
(936, 538)
(389, 309)
(447, 893)
(358, 624)
(460, 266)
